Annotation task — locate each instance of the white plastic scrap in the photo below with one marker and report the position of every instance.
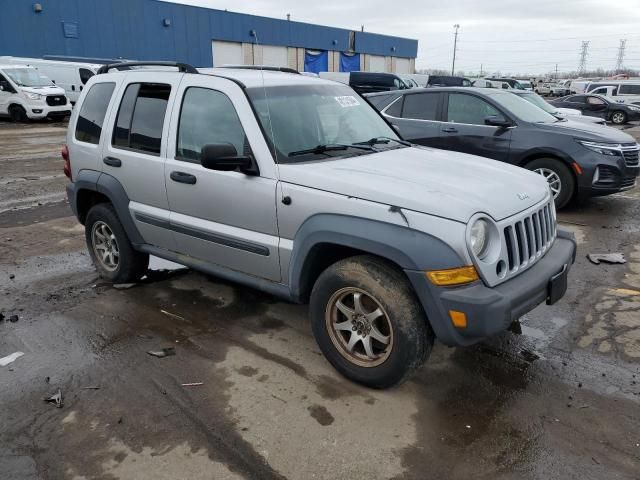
(10, 358)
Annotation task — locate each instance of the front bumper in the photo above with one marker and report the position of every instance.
(615, 175)
(492, 310)
(37, 112)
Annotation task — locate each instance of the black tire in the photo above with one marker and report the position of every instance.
(131, 264)
(618, 117)
(567, 180)
(17, 114)
(410, 337)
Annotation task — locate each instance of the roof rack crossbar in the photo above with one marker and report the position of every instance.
(182, 67)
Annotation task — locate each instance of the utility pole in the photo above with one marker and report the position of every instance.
(556, 71)
(620, 61)
(455, 46)
(481, 71)
(583, 57)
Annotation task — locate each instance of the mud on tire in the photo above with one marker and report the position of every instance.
(125, 267)
(382, 288)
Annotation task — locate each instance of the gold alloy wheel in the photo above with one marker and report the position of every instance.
(359, 327)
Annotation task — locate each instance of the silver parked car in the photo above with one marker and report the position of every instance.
(297, 186)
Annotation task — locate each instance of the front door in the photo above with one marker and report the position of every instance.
(465, 130)
(5, 94)
(226, 218)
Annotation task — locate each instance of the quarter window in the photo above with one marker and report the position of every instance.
(92, 113)
(208, 116)
(141, 117)
(469, 109)
(421, 106)
(629, 89)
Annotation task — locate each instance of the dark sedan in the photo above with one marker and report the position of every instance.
(599, 106)
(578, 160)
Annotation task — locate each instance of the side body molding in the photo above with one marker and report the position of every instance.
(408, 248)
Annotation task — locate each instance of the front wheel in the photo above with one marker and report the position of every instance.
(110, 248)
(368, 322)
(618, 117)
(558, 176)
(18, 114)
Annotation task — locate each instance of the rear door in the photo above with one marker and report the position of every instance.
(417, 117)
(596, 107)
(135, 153)
(225, 218)
(578, 102)
(465, 130)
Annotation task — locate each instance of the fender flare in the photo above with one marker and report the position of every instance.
(111, 188)
(409, 249)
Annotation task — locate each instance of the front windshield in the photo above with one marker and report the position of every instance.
(523, 109)
(28, 77)
(304, 117)
(538, 101)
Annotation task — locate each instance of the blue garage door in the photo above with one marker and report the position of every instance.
(316, 61)
(349, 62)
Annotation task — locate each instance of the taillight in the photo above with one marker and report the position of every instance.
(67, 162)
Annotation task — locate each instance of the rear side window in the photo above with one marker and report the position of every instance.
(469, 109)
(422, 106)
(629, 89)
(396, 108)
(577, 99)
(92, 113)
(208, 116)
(141, 117)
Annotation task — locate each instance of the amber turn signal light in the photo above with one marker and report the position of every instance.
(453, 276)
(459, 319)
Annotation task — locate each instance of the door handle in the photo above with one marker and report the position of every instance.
(450, 130)
(182, 177)
(112, 161)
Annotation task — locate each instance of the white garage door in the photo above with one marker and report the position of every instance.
(402, 65)
(274, 56)
(376, 63)
(227, 53)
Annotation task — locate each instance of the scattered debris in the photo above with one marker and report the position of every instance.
(169, 314)
(595, 461)
(91, 388)
(606, 258)
(165, 352)
(1, 317)
(13, 318)
(194, 384)
(529, 356)
(123, 286)
(583, 406)
(120, 420)
(145, 336)
(468, 426)
(55, 398)
(12, 276)
(10, 358)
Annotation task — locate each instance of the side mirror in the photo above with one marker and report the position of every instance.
(224, 157)
(495, 121)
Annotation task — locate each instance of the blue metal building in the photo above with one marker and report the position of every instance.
(157, 30)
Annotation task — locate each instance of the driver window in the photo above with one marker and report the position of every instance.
(6, 86)
(595, 101)
(469, 109)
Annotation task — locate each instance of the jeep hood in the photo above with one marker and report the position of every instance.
(437, 182)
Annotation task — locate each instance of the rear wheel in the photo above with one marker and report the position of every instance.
(368, 322)
(558, 176)
(110, 248)
(618, 117)
(17, 114)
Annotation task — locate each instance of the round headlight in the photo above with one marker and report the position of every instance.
(479, 238)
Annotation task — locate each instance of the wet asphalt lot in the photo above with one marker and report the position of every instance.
(560, 401)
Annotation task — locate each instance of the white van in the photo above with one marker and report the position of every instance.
(71, 76)
(626, 91)
(486, 83)
(25, 93)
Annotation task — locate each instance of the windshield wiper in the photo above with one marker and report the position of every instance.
(382, 140)
(330, 147)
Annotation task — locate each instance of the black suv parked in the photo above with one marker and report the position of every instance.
(368, 82)
(577, 159)
(599, 106)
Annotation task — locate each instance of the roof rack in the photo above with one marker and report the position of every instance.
(266, 68)
(182, 67)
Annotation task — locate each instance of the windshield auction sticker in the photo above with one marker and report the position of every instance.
(347, 101)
